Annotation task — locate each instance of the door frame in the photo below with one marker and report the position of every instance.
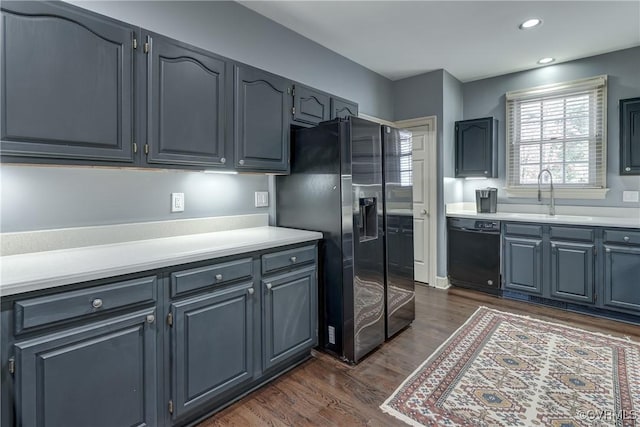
(429, 122)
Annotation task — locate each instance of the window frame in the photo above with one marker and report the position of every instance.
(562, 89)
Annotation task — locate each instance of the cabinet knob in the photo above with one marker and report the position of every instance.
(268, 285)
(151, 318)
(553, 245)
(608, 250)
(218, 277)
(293, 259)
(626, 238)
(241, 162)
(96, 303)
(486, 172)
(250, 290)
(223, 160)
(628, 169)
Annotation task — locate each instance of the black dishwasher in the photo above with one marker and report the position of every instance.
(473, 253)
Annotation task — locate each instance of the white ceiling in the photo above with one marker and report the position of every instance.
(470, 39)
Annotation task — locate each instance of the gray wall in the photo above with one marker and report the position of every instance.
(486, 97)
(36, 198)
(232, 30)
(439, 94)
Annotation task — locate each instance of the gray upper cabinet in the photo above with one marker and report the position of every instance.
(290, 314)
(310, 106)
(341, 108)
(477, 148)
(67, 84)
(186, 105)
(262, 104)
(522, 264)
(212, 346)
(101, 374)
(630, 136)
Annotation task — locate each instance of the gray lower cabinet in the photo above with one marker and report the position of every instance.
(186, 105)
(211, 345)
(262, 115)
(67, 84)
(290, 314)
(100, 374)
(522, 264)
(622, 277)
(573, 271)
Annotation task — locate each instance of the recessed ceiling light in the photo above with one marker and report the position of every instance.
(546, 61)
(530, 23)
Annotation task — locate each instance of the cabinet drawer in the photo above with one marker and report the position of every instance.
(572, 233)
(523, 230)
(189, 280)
(622, 236)
(278, 260)
(35, 312)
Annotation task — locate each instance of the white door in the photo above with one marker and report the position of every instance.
(424, 213)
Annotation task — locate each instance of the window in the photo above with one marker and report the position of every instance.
(559, 127)
(406, 146)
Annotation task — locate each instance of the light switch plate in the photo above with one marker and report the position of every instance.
(262, 199)
(177, 202)
(630, 196)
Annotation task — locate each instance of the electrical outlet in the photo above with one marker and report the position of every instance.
(262, 199)
(630, 196)
(177, 202)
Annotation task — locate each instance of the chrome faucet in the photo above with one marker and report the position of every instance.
(552, 204)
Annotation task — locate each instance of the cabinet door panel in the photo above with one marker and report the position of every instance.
(263, 106)
(67, 84)
(630, 136)
(342, 109)
(103, 374)
(310, 106)
(476, 148)
(523, 265)
(212, 346)
(186, 97)
(572, 271)
(290, 315)
(621, 273)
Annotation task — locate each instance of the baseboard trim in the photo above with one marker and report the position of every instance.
(442, 283)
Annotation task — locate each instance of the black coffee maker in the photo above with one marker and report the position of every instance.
(486, 200)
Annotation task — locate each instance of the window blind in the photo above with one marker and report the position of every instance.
(560, 127)
(406, 146)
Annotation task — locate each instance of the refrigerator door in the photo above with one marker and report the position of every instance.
(398, 223)
(367, 207)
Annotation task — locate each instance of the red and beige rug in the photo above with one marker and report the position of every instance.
(501, 369)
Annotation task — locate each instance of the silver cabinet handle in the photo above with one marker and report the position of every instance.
(96, 303)
(218, 276)
(553, 245)
(241, 162)
(626, 238)
(486, 172)
(250, 290)
(293, 259)
(627, 169)
(151, 318)
(268, 285)
(608, 250)
(223, 160)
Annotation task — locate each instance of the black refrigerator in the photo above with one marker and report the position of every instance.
(337, 186)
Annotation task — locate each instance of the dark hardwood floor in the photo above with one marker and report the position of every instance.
(324, 391)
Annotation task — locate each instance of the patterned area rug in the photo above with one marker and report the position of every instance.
(500, 369)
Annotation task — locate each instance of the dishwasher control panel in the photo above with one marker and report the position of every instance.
(487, 225)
